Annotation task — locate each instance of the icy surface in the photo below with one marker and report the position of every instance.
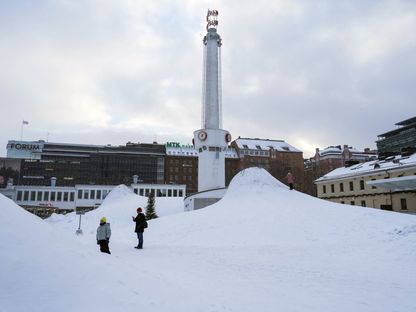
(261, 248)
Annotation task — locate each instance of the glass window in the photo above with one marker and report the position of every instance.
(53, 196)
(32, 195)
(141, 192)
(45, 196)
(324, 189)
(98, 194)
(135, 190)
(65, 196)
(175, 193)
(92, 195)
(403, 204)
(180, 193)
(332, 188)
(351, 186)
(79, 194)
(352, 202)
(341, 187)
(26, 196)
(59, 196)
(363, 203)
(72, 196)
(86, 193)
(169, 193)
(40, 196)
(361, 184)
(19, 195)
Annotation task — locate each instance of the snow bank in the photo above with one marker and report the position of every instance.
(261, 248)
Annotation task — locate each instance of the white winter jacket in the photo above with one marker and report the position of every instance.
(103, 232)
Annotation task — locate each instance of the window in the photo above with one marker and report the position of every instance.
(53, 196)
(98, 195)
(175, 193)
(351, 186)
(135, 190)
(19, 195)
(79, 194)
(169, 193)
(361, 184)
(324, 189)
(341, 187)
(352, 202)
(342, 202)
(26, 196)
(86, 193)
(332, 188)
(403, 204)
(258, 147)
(92, 194)
(45, 196)
(40, 197)
(363, 203)
(32, 195)
(372, 186)
(72, 196)
(65, 196)
(245, 146)
(59, 196)
(141, 192)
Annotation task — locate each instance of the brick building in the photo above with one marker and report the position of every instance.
(331, 158)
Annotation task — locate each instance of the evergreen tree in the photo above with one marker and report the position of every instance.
(150, 209)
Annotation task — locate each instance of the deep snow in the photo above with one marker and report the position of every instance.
(261, 248)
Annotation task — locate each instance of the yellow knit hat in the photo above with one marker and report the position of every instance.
(103, 220)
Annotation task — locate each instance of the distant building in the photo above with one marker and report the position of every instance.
(396, 141)
(388, 184)
(276, 156)
(331, 158)
(75, 164)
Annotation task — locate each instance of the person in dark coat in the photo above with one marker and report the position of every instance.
(103, 235)
(141, 224)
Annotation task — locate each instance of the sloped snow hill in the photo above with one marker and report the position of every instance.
(261, 248)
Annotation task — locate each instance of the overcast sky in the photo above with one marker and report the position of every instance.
(312, 73)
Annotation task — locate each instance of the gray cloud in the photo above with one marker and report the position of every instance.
(312, 73)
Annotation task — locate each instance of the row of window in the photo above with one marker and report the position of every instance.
(50, 196)
(403, 203)
(341, 186)
(159, 192)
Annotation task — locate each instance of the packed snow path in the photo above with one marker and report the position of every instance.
(261, 248)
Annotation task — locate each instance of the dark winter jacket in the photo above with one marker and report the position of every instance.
(141, 222)
(103, 231)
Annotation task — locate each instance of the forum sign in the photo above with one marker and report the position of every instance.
(24, 149)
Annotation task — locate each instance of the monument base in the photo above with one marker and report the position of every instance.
(203, 199)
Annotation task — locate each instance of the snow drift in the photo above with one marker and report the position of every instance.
(261, 248)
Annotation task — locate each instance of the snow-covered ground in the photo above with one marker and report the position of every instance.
(261, 248)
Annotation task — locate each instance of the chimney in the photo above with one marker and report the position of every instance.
(53, 181)
(135, 179)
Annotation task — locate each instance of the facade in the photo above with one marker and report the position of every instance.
(44, 200)
(74, 164)
(331, 158)
(396, 141)
(388, 184)
(276, 156)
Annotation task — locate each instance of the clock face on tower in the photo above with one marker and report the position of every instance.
(202, 135)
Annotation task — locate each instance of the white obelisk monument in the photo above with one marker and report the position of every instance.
(211, 141)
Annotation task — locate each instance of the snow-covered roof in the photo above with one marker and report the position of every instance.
(369, 167)
(265, 144)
